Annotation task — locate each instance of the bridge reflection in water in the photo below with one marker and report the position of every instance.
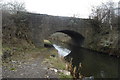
(99, 65)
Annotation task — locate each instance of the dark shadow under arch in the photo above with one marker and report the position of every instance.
(77, 38)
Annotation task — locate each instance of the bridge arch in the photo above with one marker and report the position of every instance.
(76, 38)
(41, 26)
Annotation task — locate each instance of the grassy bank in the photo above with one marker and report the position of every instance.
(58, 63)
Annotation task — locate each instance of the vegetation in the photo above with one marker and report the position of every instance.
(65, 76)
(17, 35)
(105, 20)
(12, 7)
(106, 37)
(57, 63)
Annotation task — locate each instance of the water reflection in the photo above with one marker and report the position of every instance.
(95, 64)
(62, 51)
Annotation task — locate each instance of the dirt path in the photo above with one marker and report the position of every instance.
(27, 65)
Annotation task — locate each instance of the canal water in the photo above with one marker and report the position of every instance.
(96, 64)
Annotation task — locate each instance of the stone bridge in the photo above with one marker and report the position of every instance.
(42, 26)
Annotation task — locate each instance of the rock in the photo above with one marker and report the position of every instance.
(46, 76)
(64, 72)
(53, 69)
(34, 64)
(14, 61)
(60, 71)
(21, 74)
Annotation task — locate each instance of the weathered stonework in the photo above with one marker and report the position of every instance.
(42, 26)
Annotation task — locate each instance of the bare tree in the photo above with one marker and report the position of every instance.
(104, 13)
(106, 26)
(12, 7)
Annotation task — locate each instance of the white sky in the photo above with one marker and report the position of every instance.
(81, 8)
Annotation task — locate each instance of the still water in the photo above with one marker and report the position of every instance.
(99, 65)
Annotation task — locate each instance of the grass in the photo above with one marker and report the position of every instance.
(18, 52)
(65, 76)
(60, 64)
(57, 63)
(21, 47)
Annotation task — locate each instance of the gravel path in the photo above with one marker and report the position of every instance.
(27, 66)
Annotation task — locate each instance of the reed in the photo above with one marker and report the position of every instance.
(74, 70)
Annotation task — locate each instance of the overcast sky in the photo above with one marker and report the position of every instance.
(80, 8)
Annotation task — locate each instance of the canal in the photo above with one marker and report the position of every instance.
(93, 63)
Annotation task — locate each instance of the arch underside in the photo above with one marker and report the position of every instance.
(77, 38)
